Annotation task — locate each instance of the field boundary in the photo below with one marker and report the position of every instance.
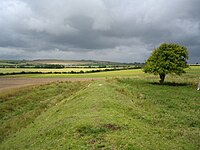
(13, 83)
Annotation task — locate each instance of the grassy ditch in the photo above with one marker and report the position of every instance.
(121, 113)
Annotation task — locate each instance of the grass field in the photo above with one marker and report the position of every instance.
(192, 75)
(113, 113)
(121, 73)
(10, 70)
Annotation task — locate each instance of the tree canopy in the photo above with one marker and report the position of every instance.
(167, 58)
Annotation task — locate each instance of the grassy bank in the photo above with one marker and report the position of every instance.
(121, 113)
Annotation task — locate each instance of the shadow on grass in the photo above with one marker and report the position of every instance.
(169, 83)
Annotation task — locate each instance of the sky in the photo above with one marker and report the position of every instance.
(112, 30)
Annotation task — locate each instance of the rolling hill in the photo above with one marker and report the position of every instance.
(60, 62)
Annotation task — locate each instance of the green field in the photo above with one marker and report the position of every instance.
(193, 74)
(125, 110)
(121, 73)
(10, 70)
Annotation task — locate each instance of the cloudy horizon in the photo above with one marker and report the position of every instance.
(112, 30)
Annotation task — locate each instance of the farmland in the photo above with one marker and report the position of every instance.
(10, 70)
(124, 109)
(48, 63)
(13, 67)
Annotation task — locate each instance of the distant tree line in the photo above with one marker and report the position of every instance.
(58, 66)
(106, 65)
(197, 64)
(70, 72)
(48, 66)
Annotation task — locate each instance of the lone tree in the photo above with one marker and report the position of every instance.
(167, 58)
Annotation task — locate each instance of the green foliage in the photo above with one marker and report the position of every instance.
(167, 58)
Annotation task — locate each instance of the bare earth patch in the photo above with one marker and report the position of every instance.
(10, 83)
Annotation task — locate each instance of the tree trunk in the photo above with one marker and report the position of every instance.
(162, 78)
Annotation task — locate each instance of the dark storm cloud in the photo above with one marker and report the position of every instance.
(116, 30)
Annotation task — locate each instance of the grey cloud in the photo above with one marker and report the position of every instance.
(88, 28)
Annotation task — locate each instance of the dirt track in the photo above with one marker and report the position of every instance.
(8, 83)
